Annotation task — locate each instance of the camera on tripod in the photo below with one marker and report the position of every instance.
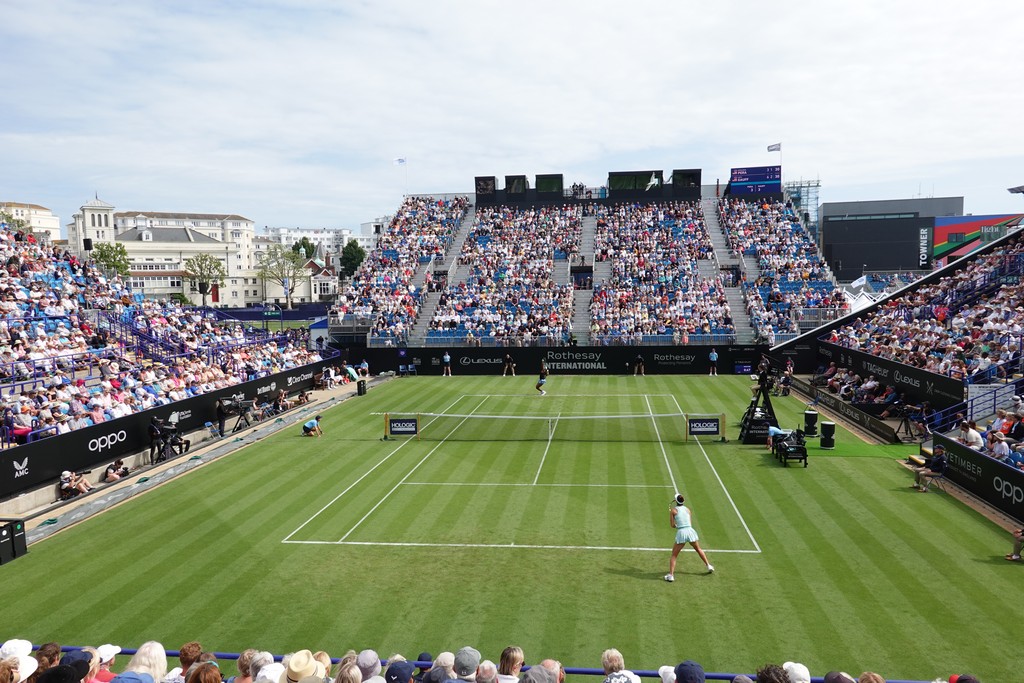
(230, 406)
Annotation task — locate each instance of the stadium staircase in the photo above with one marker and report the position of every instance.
(456, 273)
(725, 257)
(581, 316)
(588, 232)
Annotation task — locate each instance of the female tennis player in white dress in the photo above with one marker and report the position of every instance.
(682, 521)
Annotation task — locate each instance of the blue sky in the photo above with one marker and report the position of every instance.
(291, 113)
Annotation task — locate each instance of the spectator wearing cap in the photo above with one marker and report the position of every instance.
(105, 654)
(90, 661)
(690, 671)
(443, 669)
(400, 672)
(71, 483)
(368, 662)
(963, 678)
(838, 677)
(510, 664)
(934, 466)
(798, 673)
(149, 665)
(467, 659)
(421, 671)
(615, 668)
(537, 674)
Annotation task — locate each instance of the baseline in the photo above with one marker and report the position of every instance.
(396, 544)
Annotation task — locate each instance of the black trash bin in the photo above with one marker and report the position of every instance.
(828, 435)
(810, 423)
(361, 387)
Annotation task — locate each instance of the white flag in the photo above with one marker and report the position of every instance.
(777, 147)
(860, 282)
(400, 161)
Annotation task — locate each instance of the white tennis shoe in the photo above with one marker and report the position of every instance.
(669, 578)
(711, 569)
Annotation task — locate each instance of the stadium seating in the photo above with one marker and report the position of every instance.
(655, 293)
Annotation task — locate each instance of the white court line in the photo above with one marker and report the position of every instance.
(551, 435)
(488, 483)
(517, 546)
(664, 453)
(563, 395)
(408, 474)
(724, 489)
(382, 461)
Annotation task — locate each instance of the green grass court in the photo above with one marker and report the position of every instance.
(493, 532)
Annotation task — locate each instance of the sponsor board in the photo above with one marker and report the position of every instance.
(994, 482)
(919, 385)
(403, 426)
(704, 426)
(466, 360)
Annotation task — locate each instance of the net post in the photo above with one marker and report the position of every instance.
(686, 427)
(721, 433)
(418, 422)
(386, 423)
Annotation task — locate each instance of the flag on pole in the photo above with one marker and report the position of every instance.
(860, 282)
(653, 182)
(777, 147)
(400, 161)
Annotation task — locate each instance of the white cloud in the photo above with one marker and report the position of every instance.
(290, 112)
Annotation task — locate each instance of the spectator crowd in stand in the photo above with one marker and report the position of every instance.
(510, 296)
(656, 288)
(382, 291)
(62, 368)
(150, 664)
(793, 276)
(945, 327)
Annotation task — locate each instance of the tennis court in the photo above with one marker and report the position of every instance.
(524, 471)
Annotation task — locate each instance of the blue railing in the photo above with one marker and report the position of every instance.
(569, 670)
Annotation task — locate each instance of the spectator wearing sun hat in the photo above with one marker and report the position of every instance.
(301, 665)
(20, 650)
(838, 677)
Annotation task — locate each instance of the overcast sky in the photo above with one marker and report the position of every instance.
(291, 113)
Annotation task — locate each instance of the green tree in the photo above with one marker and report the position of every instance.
(286, 268)
(307, 247)
(351, 256)
(12, 222)
(204, 270)
(112, 257)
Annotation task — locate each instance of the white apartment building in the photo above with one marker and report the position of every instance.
(40, 219)
(160, 243)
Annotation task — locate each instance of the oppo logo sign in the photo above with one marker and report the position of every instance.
(107, 441)
(1008, 489)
